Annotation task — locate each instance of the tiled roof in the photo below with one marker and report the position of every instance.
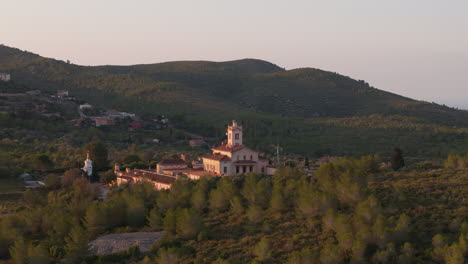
(217, 156)
(153, 176)
(226, 147)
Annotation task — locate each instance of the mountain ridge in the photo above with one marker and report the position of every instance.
(201, 96)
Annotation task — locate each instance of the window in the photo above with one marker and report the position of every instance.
(237, 136)
(225, 170)
(237, 157)
(237, 169)
(245, 157)
(251, 157)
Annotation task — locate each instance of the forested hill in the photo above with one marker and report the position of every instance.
(202, 95)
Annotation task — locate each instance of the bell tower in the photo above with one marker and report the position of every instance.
(234, 134)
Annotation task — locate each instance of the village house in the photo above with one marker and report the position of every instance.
(104, 121)
(5, 77)
(62, 93)
(85, 106)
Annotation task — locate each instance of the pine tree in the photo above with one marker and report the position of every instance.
(169, 222)
(19, 252)
(95, 220)
(76, 245)
(155, 220)
(237, 208)
(255, 214)
(168, 256)
(397, 160)
(262, 251)
(38, 255)
(189, 223)
(199, 200)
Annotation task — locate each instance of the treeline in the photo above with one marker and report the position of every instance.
(288, 218)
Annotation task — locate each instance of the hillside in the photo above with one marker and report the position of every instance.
(201, 96)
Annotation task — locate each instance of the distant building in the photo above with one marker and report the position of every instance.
(196, 143)
(88, 166)
(85, 106)
(233, 157)
(135, 125)
(171, 164)
(159, 181)
(62, 93)
(117, 114)
(5, 77)
(104, 121)
(40, 107)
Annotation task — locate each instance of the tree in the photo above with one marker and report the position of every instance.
(255, 214)
(38, 255)
(331, 254)
(76, 245)
(43, 162)
(136, 212)
(305, 256)
(107, 176)
(189, 223)
(169, 222)
(218, 201)
(19, 252)
(98, 154)
(95, 220)
(155, 220)
(131, 159)
(70, 176)
(237, 208)
(396, 159)
(262, 251)
(407, 254)
(168, 256)
(199, 200)
(52, 182)
(277, 203)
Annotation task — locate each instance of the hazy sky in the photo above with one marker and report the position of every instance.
(417, 48)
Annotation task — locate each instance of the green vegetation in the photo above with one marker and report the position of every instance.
(306, 111)
(349, 211)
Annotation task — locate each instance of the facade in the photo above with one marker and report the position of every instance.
(5, 77)
(171, 164)
(159, 181)
(88, 166)
(233, 157)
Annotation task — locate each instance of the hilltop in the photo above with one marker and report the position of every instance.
(296, 107)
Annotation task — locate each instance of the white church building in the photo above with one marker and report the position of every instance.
(233, 157)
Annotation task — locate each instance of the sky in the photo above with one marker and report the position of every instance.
(416, 48)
